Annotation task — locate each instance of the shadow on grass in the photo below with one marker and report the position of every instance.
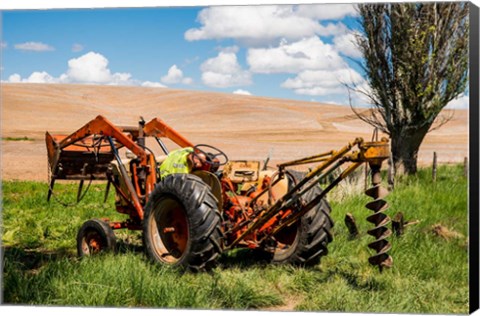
(243, 259)
(246, 259)
(32, 259)
(124, 247)
(349, 273)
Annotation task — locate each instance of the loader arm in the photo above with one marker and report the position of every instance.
(273, 220)
(101, 126)
(159, 128)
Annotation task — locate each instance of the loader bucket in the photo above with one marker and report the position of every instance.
(88, 158)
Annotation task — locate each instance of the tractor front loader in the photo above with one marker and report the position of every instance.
(190, 219)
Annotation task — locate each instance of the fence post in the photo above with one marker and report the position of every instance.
(351, 225)
(434, 166)
(465, 167)
(366, 177)
(391, 174)
(398, 224)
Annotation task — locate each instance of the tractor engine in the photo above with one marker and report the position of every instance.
(247, 192)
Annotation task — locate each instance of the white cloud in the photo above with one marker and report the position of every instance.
(230, 49)
(15, 78)
(41, 77)
(345, 45)
(187, 80)
(121, 78)
(192, 60)
(259, 24)
(3, 45)
(281, 39)
(224, 71)
(242, 92)
(461, 102)
(360, 96)
(93, 68)
(306, 54)
(151, 84)
(90, 68)
(326, 11)
(34, 46)
(323, 82)
(175, 75)
(35, 77)
(77, 48)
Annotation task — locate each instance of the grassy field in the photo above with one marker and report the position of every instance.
(430, 272)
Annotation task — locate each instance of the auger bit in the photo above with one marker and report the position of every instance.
(374, 153)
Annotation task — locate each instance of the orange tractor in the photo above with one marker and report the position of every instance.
(190, 219)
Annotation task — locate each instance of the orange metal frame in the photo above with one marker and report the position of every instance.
(101, 138)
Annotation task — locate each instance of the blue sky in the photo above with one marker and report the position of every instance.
(301, 52)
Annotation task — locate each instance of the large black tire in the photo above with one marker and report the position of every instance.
(306, 242)
(95, 236)
(182, 224)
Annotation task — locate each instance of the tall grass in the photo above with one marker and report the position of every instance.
(430, 272)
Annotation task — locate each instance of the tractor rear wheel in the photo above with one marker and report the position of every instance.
(305, 242)
(95, 236)
(182, 224)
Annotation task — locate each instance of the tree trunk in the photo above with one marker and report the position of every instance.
(405, 146)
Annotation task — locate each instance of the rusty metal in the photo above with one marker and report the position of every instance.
(256, 206)
(311, 159)
(88, 153)
(381, 232)
(298, 214)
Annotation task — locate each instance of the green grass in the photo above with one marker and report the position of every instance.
(430, 273)
(16, 139)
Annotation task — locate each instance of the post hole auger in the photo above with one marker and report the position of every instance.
(373, 153)
(189, 219)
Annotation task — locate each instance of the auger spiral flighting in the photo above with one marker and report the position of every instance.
(381, 232)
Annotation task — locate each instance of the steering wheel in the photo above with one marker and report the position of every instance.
(222, 158)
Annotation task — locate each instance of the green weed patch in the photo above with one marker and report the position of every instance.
(17, 139)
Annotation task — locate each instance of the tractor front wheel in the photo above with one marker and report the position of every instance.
(95, 236)
(182, 224)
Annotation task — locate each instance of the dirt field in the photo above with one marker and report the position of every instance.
(245, 127)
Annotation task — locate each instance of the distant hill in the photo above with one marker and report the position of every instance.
(245, 127)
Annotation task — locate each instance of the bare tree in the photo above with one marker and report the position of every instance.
(415, 62)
